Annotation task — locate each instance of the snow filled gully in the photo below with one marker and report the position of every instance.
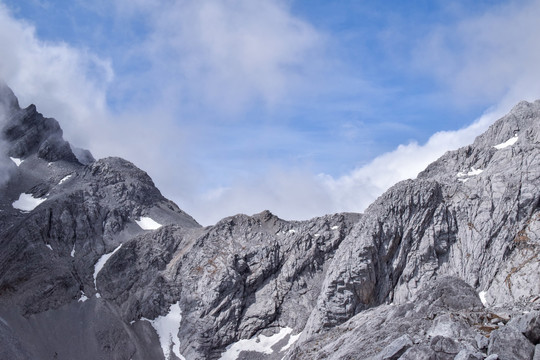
(167, 328)
(100, 263)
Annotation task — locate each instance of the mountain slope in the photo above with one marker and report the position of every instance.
(473, 214)
(92, 252)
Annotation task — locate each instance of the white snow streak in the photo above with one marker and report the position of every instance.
(507, 143)
(101, 262)
(260, 343)
(147, 223)
(482, 296)
(73, 251)
(167, 328)
(27, 202)
(83, 297)
(292, 340)
(64, 179)
(17, 162)
(49, 246)
(334, 227)
(473, 172)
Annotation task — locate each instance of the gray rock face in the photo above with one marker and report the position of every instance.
(479, 226)
(508, 343)
(105, 260)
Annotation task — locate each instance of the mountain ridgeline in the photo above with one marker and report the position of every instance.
(96, 264)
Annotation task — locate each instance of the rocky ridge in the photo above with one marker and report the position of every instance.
(103, 259)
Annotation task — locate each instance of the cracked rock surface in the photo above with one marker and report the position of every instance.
(445, 266)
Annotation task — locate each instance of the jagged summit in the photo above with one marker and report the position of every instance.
(8, 100)
(441, 267)
(519, 126)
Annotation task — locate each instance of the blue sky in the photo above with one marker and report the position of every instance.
(301, 107)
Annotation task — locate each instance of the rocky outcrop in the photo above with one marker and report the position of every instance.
(473, 214)
(233, 280)
(28, 132)
(445, 320)
(445, 266)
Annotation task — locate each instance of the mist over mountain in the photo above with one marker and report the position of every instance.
(96, 263)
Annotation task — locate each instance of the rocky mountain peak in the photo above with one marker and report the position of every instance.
(28, 133)
(441, 267)
(8, 100)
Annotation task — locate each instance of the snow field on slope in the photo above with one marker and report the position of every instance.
(17, 162)
(27, 202)
(147, 223)
(507, 143)
(101, 262)
(167, 328)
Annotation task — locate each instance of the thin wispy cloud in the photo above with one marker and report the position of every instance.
(227, 55)
(494, 56)
(295, 195)
(237, 106)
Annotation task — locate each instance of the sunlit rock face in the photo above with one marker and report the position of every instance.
(93, 257)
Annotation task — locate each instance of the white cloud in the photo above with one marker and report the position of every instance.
(291, 195)
(71, 84)
(489, 57)
(66, 83)
(226, 54)
(296, 195)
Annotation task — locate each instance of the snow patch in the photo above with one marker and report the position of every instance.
(167, 328)
(27, 202)
(101, 262)
(147, 223)
(73, 251)
(334, 227)
(507, 143)
(17, 162)
(292, 340)
(260, 343)
(292, 231)
(473, 172)
(65, 179)
(482, 296)
(98, 295)
(83, 297)
(317, 235)
(49, 246)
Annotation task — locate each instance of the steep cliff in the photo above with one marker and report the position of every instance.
(96, 263)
